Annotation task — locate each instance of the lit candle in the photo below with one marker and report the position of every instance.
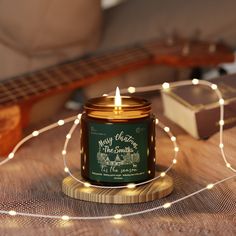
(117, 140)
(118, 100)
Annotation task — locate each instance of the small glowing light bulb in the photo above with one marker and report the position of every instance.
(165, 85)
(176, 149)
(76, 122)
(173, 138)
(35, 133)
(68, 136)
(210, 186)
(195, 81)
(66, 169)
(221, 101)
(131, 89)
(167, 129)
(12, 213)
(228, 165)
(162, 174)
(117, 216)
(214, 86)
(86, 184)
(221, 122)
(131, 185)
(61, 122)
(63, 152)
(11, 155)
(65, 217)
(174, 161)
(167, 205)
(105, 95)
(221, 145)
(157, 121)
(79, 116)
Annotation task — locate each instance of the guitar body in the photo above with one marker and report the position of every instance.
(10, 128)
(18, 95)
(14, 118)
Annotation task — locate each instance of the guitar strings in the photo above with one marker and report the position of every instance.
(19, 90)
(166, 129)
(25, 89)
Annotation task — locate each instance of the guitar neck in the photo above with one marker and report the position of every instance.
(67, 76)
(87, 70)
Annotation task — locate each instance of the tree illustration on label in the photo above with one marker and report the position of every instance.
(122, 160)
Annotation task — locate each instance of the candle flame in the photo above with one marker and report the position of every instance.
(118, 102)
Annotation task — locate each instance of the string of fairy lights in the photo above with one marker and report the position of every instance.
(76, 122)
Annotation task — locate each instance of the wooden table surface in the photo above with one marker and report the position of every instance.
(32, 183)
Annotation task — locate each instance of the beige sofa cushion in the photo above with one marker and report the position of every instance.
(37, 33)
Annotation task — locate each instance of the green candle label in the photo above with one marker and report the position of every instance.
(118, 152)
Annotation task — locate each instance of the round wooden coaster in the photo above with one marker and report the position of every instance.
(144, 193)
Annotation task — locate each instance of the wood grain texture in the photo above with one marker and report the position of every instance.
(155, 190)
(10, 128)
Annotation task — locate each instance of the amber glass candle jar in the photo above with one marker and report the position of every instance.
(117, 143)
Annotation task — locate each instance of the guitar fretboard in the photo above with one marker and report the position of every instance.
(37, 84)
(89, 69)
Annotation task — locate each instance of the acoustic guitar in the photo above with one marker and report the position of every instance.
(18, 94)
